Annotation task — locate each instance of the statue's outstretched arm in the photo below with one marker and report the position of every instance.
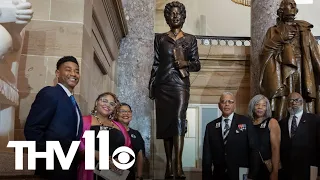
(14, 17)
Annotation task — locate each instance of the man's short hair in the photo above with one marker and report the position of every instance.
(66, 59)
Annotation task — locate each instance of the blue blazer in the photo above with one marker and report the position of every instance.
(52, 118)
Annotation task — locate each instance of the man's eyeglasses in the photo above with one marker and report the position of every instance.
(105, 101)
(227, 101)
(299, 100)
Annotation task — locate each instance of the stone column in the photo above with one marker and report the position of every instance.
(134, 65)
(263, 16)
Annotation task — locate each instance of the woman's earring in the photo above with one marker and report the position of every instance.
(94, 111)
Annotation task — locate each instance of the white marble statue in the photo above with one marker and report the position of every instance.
(14, 16)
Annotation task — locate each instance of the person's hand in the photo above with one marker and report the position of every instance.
(24, 11)
(287, 32)
(180, 64)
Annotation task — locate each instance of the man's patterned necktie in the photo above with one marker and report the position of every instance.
(226, 131)
(294, 125)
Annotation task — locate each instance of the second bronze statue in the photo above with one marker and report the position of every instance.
(176, 54)
(290, 62)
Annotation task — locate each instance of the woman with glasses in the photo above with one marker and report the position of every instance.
(269, 134)
(102, 118)
(124, 116)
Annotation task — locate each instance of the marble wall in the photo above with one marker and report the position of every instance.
(134, 67)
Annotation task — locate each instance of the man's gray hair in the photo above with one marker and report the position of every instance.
(227, 93)
(255, 100)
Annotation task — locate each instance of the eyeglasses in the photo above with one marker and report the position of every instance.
(299, 100)
(105, 101)
(227, 101)
(125, 111)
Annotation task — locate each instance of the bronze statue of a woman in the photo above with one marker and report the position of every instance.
(176, 54)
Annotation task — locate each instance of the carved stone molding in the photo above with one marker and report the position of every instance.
(229, 40)
(8, 94)
(109, 27)
(118, 10)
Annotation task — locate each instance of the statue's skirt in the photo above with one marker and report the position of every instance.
(171, 107)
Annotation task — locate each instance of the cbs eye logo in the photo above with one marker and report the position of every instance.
(123, 158)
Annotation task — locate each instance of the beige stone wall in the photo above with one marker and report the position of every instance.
(60, 28)
(224, 68)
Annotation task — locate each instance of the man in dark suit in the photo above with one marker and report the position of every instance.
(55, 116)
(230, 143)
(300, 141)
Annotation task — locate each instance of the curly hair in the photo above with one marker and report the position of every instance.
(168, 9)
(66, 59)
(116, 100)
